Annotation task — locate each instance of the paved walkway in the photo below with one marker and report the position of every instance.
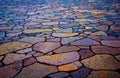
(61, 39)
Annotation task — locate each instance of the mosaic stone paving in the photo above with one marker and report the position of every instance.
(59, 39)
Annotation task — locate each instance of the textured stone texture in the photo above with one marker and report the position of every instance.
(86, 41)
(46, 46)
(59, 59)
(70, 67)
(113, 43)
(13, 46)
(83, 72)
(59, 75)
(105, 50)
(103, 62)
(12, 57)
(37, 31)
(32, 39)
(104, 74)
(11, 70)
(66, 49)
(36, 71)
(68, 34)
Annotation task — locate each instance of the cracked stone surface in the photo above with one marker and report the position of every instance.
(59, 39)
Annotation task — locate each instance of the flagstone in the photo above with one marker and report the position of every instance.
(86, 53)
(104, 74)
(59, 59)
(67, 34)
(13, 46)
(105, 50)
(32, 40)
(86, 41)
(54, 39)
(29, 61)
(83, 72)
(66, 49)
(64, 30)
(46, 46)
(26, 50)
(70, 67)
(5, 28)
(12, 57)
(99, 33)
(59, 75)
(50, 23)
(70, 39)
(102, 62)
(102, 27)
(112, 43)
(37, 30)
(11, 70)
(36, 71)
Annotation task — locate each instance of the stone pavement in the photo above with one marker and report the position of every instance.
(59, 39)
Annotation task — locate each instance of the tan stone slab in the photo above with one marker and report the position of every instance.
(13, 46)
(67, 34)
(102, 62)
(37, 30)
(70, 67)
(104, 74)
(59, 59)
(5, 28)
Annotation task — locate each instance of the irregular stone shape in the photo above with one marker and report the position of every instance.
(86, 41)
(5, 28)
(70, 67)
(13, 34)
(59, 59)
(11, 70)
(36, 71)
(37, 30)
(37, 54)
(29, 61)
(99, 38)
(104, 74)
(54, 39)
(69, 39)
(88, 27)
(105, 50)
(113, 43)
(102, 27)
(115, 28)
(12, 57)
(13, 46)
(66, 49)
(85, 53)
(99, 33)
(46, 46)
(1, 57)
(67, 34)
(65, 30)
(32, 39)
(118, 57)
(101, 62)
(50, 23)
(59, 75)
(24, 50)
(81, 73)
